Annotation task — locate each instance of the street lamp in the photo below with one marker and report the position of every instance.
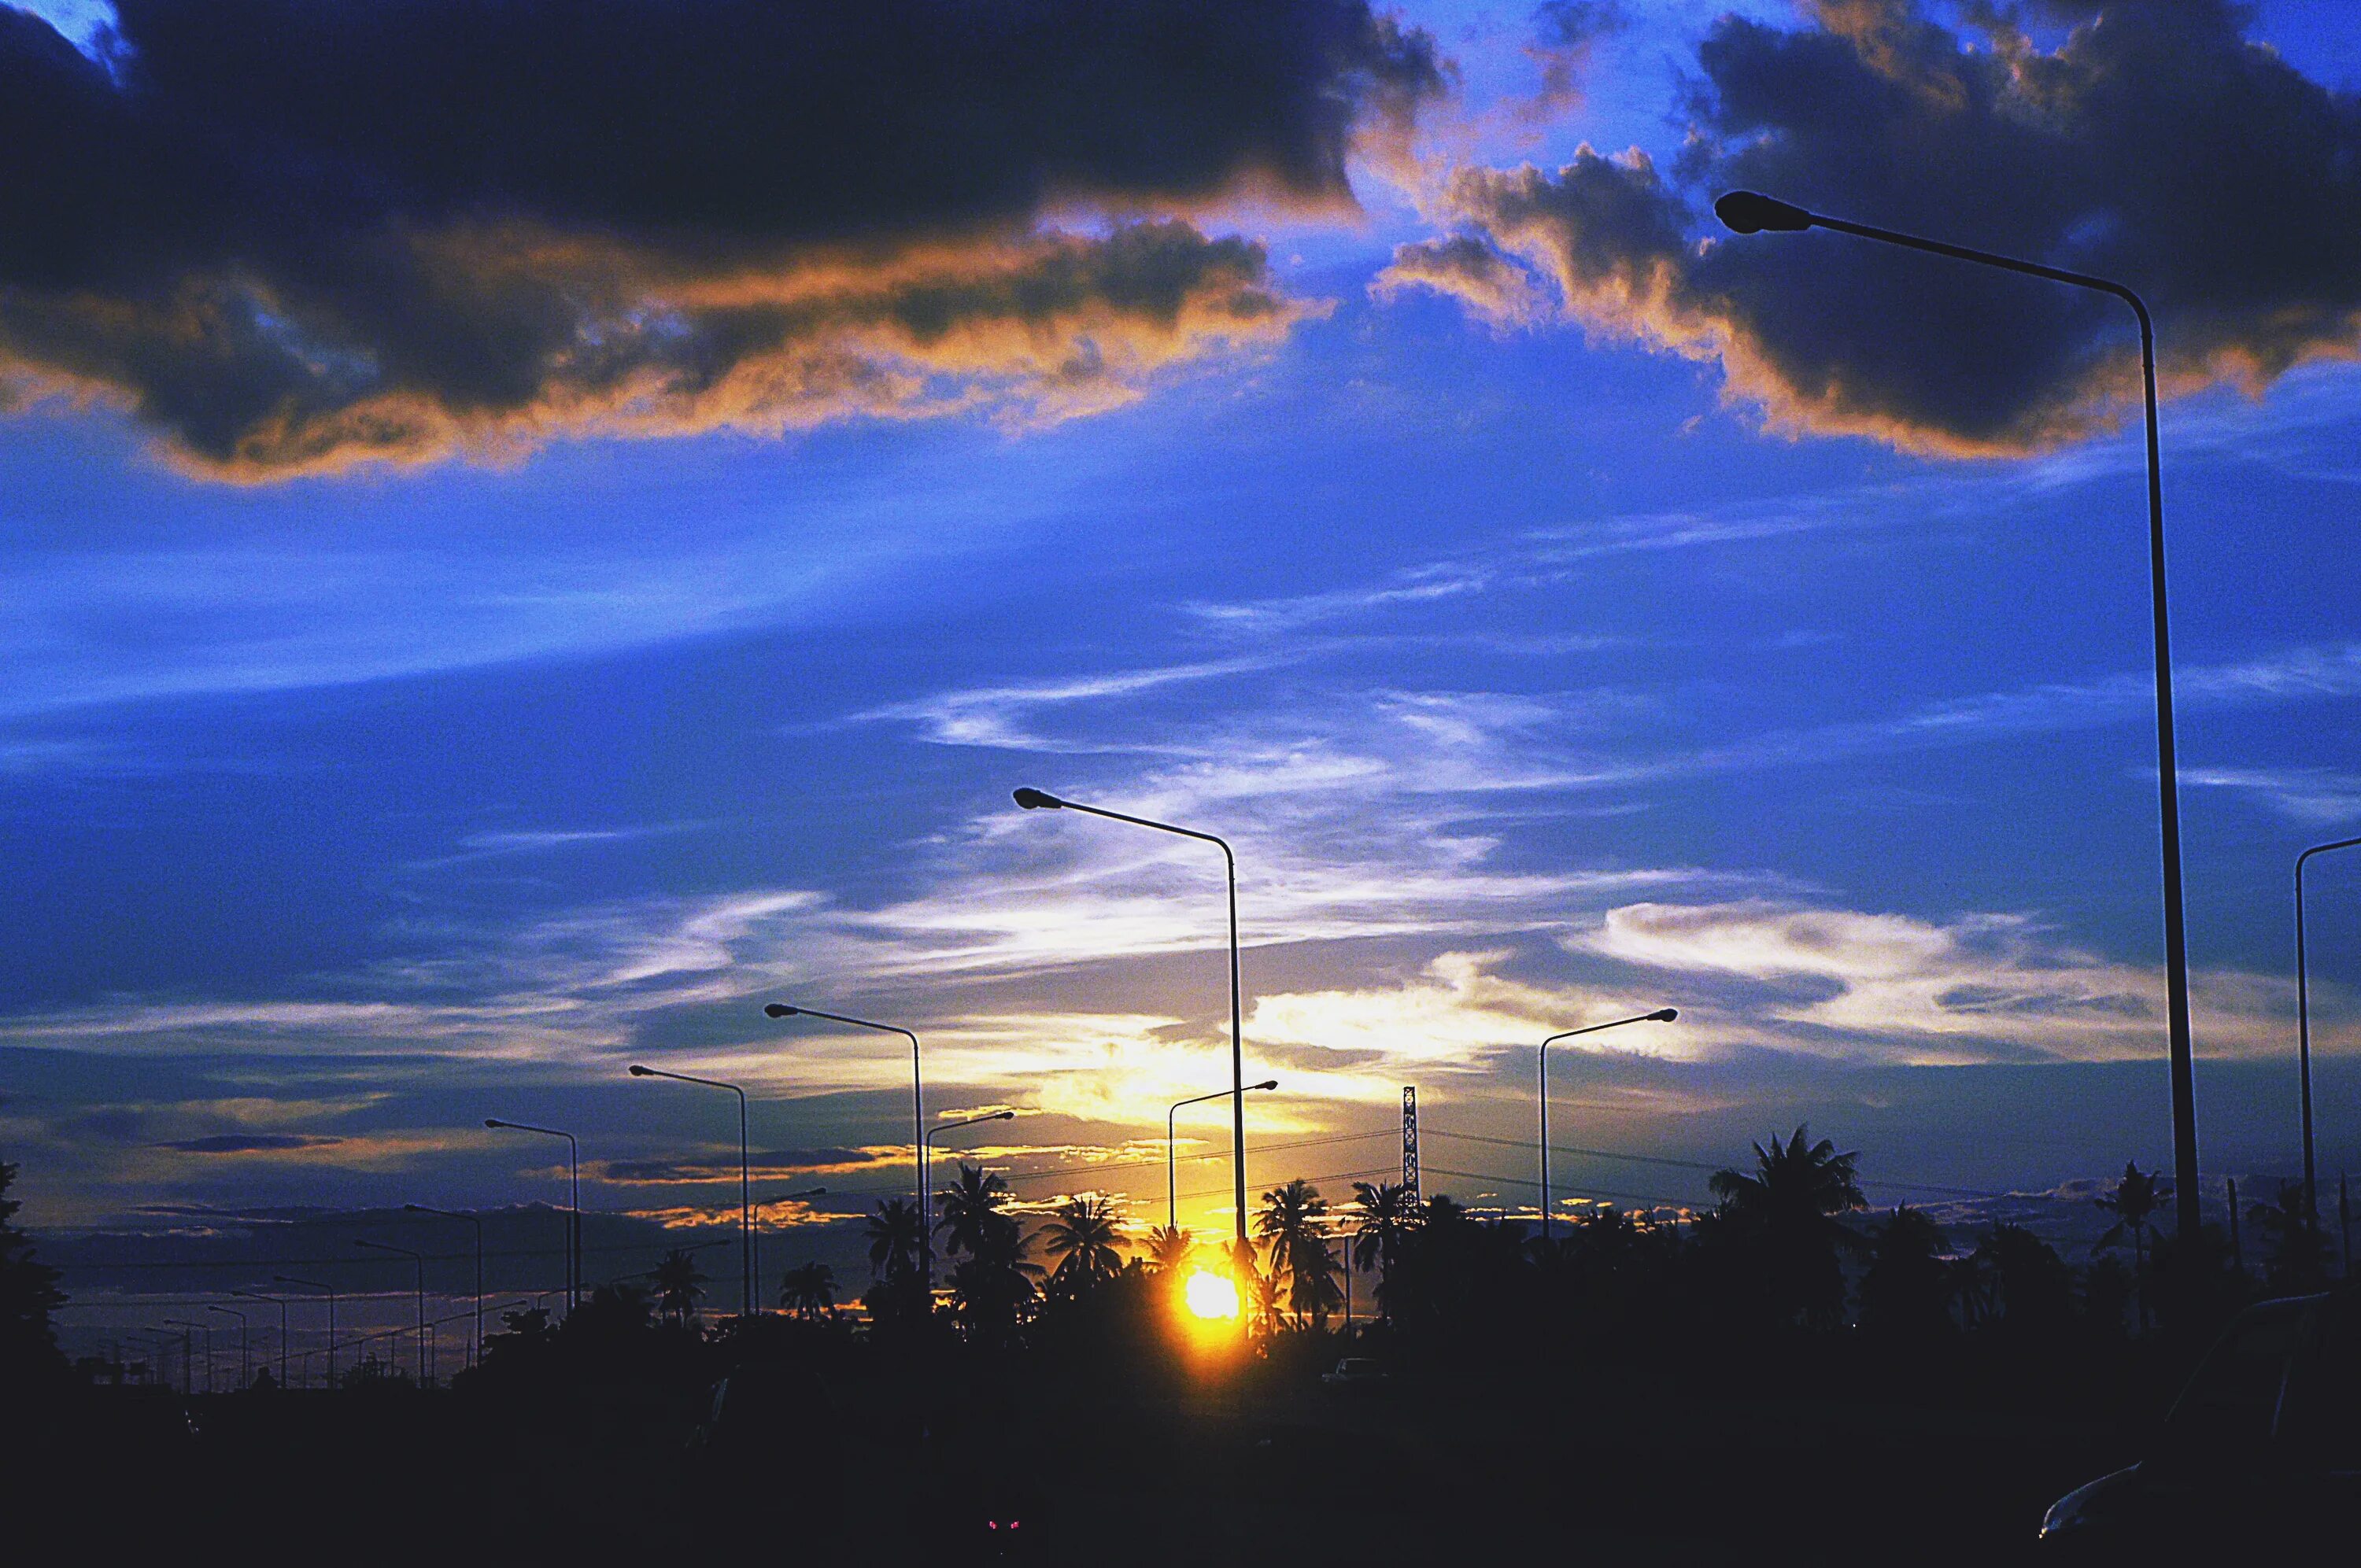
(934, 1133)
(746, 1182)
(330, 1291)
(244, 1361)
(187, 1381)
(477, 1354)
(1748, 212)
(573, 1223)
(1040, 800)
(1661, 1015)
(279, 1303)
(918, 1116)
(418, 1258)
(1171, 1185)
(2303, 1027)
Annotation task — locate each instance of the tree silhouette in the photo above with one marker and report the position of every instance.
(994, 1284)
(679, 1286)
(895, 1234)
(2133, 1203)
(969, 1206)
(1291, 1228)
(28, 1294)
(1083, 1238)
(1785, 1214)
(1905, 1290)
(2031, 1286)
(1168, 1249)
(2296, 1255)
(1382, 1227)
(810, 1291)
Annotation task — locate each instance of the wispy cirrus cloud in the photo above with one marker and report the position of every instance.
(2317, 796)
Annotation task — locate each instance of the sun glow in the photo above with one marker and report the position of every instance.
(1210, 1294)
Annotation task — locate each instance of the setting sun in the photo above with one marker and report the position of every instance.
(1210, 1295)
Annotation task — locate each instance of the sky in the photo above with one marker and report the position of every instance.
(500, 594)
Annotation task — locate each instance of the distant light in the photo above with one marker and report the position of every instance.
(1210, 1295)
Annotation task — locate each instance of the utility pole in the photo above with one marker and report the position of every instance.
(2237, 1253)
(2344, 1221)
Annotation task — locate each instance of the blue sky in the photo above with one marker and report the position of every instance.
(1536, 680)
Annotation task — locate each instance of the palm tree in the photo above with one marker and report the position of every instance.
(1904, 1288)
(1084, 1239)
(994, 1283)
(895, 1234)
(1291, 1226)
(2298, 1259)
(969, 1206)
(2133, 1203)
(1168, 1249)
(1387, 1216)
(679, 1284)
(1787, 1210)
(810, 1291)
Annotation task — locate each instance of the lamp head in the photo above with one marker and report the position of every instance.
(1037, 800)
(1266, 1083)
(494, 1122)
(1751, 212)
(1004, 1115)
(777, 1010)
(1665, 1015)
(636, 1071)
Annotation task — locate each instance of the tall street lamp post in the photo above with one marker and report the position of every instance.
(1171, 1182)
(1040, 800)
(918, 1117)
(419, 1258)
(746, 1182)
(330, 1291)
(573, 1220)
(186, 1327)
(2303, 1028)
(1747, 212)
(1661, 1015)
(476, 1353)
(934, 1133)
(244, 1361)
(279, 1303)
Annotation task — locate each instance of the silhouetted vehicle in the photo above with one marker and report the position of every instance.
(2262, 1450)
(1356, 1372)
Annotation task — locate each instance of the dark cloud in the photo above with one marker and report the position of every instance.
(247, 1143)
(2156, 144)
(294, 235)
(1564, 34)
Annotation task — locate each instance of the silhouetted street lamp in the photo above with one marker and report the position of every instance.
(244, 1361)
(187, 1382)
(1171, 1184)
(330, 1291)
(1748, 212)
(279, 1303)
(1041, 800)
(573, 1224)
(1661, 1015)
(477, 1354)
(746, 1182)
(2303, 1027)
(418, 1258)
(918, 1117)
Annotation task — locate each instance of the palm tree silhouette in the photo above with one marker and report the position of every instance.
(2133, 1203)
(1905, 1288)
(1787, 1209)
(1387, 1216)
(1168, 1249)
(1084, 1239)
(1291, 1226)
(895, 1234)
(970, 1205)
(2298, 1258)
(810, 1291)
(679, 1284)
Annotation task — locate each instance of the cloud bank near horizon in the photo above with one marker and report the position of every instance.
(291, 238)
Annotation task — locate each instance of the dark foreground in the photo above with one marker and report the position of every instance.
(1285, 1472)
